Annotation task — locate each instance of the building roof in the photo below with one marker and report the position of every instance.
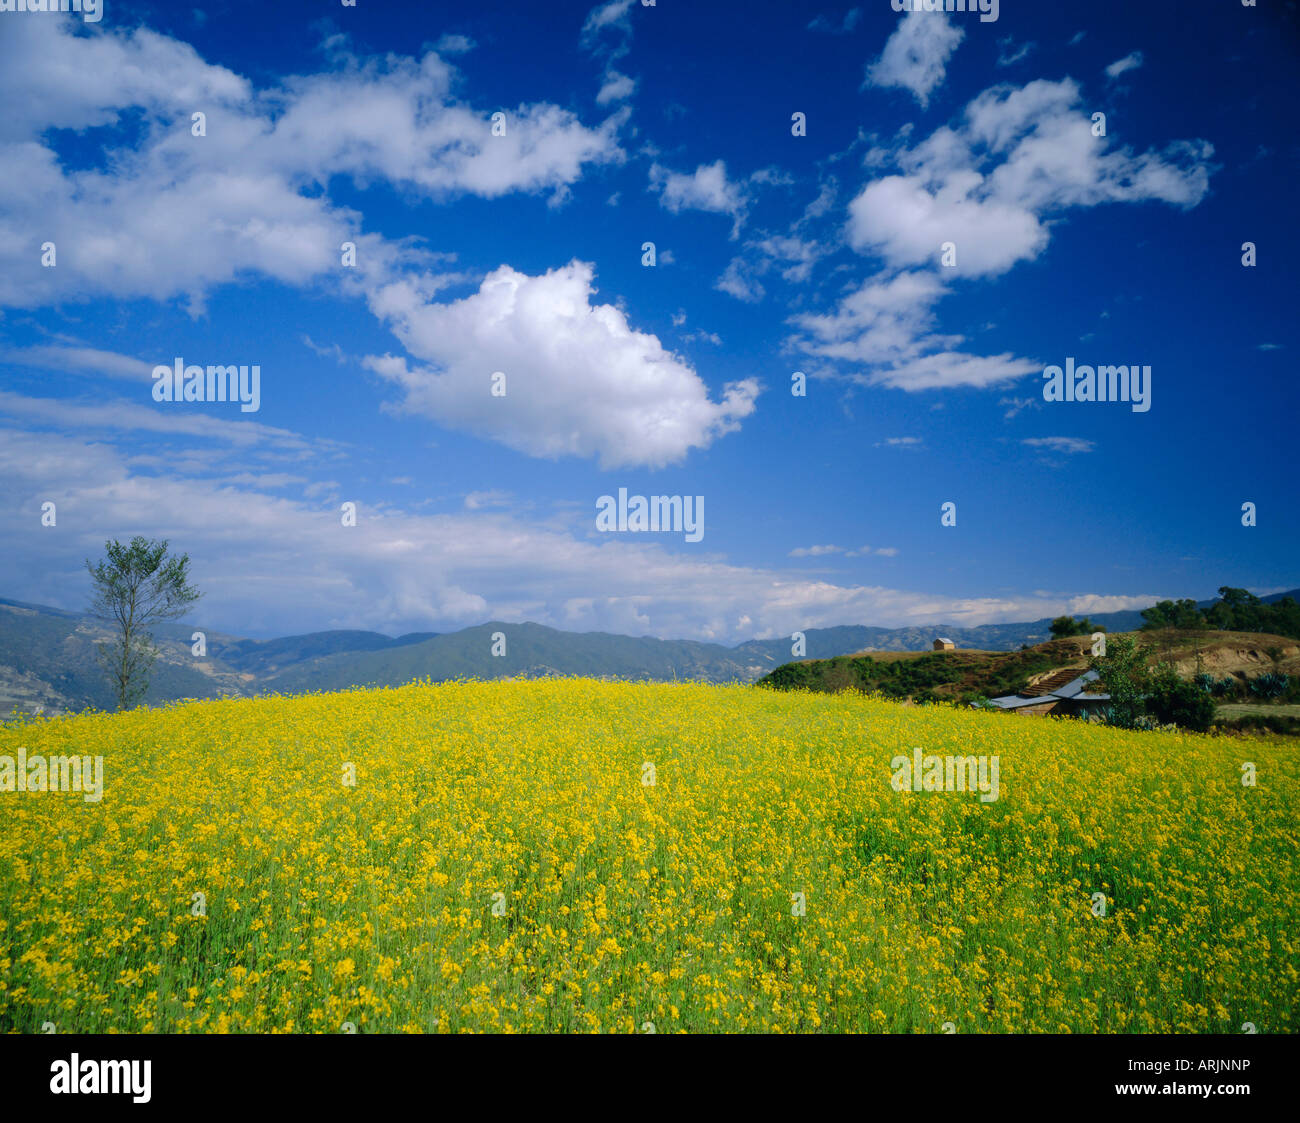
(1016, 702)
(942, 639)
(1059, 686)
(1079, 686)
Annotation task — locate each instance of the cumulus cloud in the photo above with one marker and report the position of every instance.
(903, 220)
(1017, 156)
(166, 213)
(915, 57)
(580, 380)
(990, 185)
(705, 189)
(884, 331)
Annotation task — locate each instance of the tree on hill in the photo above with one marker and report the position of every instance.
(1236, 610)
(1124, 674)
(1182, 614)
(136, 586)
(1064, 626)
(1240, 611)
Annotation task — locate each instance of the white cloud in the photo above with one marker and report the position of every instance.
(705, 189)
(454, 45)
(74, 359)
(792, 254)
(1122, 66)
(580, 380)
(605, 20)
(1017, 156)
(1017, 405)
(118, 417)
(399, 572)
(1009, 54)
(904, 221)
(173, 214)
(797, 255)
(1067, 445)
(478, 500)
(616, 87)
(915, 57)
(737, 280)
(333, 351)
(887, 326)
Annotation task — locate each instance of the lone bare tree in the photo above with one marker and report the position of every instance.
(136, 586)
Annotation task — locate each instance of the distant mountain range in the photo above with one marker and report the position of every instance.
(47, 657)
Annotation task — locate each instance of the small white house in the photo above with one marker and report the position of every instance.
(942, 644)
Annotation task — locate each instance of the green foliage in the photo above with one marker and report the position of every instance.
(1240, 611)
(1269, 685)
(1182, 614)
(1064, 626)
(1175, 701)
(1124, 674)
(136, 586)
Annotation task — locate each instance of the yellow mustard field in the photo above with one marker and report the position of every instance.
(506, 861)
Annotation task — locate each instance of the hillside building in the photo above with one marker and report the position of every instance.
(1064, 693)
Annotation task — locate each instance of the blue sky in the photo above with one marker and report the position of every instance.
(775, 253)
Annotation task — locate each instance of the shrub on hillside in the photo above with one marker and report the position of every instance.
(1178, 702)
(1269, 685)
